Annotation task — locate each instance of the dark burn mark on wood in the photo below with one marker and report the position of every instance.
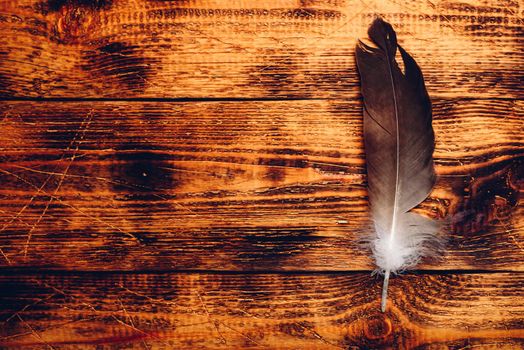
(278, 74)
(50, 6)
(118, 250)
(484, 216)
(489, 199)
(121, 63)
(10, 301)
(345, 79)
(113, 48)
(272, 247)
(141, 172)
(274, 77)
(5, 84)
(14, 183)
(5, 80)
(67, 131)
(276, 174)
(63, 136)
(141, 175)
(144, 237)
(283, 162)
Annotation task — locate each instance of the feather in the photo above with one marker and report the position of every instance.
(399, 143)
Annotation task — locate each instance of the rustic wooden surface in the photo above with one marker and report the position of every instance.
(208, 311)
(260, 185)
(190, 175)
(284, 48)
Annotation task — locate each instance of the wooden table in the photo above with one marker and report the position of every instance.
(190, 175)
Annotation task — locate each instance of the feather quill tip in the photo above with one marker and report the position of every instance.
(385, 292)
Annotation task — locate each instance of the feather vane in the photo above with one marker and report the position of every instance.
(399, 144)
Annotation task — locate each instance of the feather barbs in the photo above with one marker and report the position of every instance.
(399, 143)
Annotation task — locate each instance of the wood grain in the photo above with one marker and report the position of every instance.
(209, 311)
(241, 185)
(190, 175)
(255, 49)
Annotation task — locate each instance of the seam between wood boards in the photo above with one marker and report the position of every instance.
(32, 271)
(229, 99)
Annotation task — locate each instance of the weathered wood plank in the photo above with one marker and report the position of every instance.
(285, 48)
(240, 185)
(210, 311)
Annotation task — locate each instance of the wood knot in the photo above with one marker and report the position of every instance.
(501, 208)
(75, 24)
(377, 327)
(372, 332)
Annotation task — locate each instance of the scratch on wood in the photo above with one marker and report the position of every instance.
(87, 120)
(34, 333)
(108, 180)
(153, 301)
(215, 323)
(28, 306)
(317, 335)
(132, 324)
(73, 207)
(39, 189)
(5, 256)
(243, 335)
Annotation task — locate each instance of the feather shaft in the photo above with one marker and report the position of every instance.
(395, 204)
(383, 302)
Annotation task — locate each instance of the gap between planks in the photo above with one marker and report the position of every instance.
(20, 271)
(228, 99)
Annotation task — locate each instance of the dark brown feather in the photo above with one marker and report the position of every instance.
(399, 143)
